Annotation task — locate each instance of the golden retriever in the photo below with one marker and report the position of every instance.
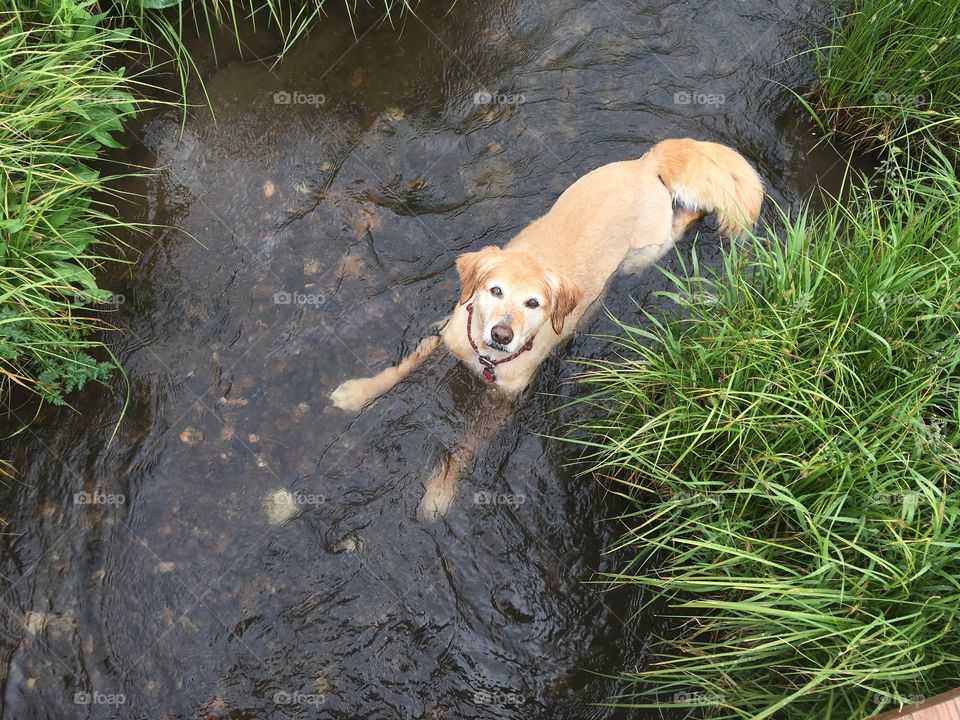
(517, 303)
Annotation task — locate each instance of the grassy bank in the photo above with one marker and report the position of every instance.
(788, 443)
(888, 76)
(790, 447)
(61, 105)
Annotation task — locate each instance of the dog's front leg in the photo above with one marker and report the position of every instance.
(354, 394)
(441, 486)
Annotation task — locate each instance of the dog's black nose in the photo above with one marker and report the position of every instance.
(502, 334)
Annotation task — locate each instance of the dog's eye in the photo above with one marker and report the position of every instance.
(496, 291)
(533, 304)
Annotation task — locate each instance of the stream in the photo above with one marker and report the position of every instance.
(236, 547)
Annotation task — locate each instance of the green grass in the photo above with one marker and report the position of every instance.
(789, 446)
(889, 76)
(60, 106)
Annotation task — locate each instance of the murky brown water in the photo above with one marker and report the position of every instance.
(325, 229)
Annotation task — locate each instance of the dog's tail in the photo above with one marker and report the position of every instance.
(708, 177)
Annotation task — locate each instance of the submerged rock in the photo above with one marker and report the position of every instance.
(280, 506)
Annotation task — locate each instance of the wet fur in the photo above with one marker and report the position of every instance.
(625, 213)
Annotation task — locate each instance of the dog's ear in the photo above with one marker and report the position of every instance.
(473, 268)
(564, 297)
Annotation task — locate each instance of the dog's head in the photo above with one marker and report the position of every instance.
(513, 296)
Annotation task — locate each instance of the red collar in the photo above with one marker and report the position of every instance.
(486, 361)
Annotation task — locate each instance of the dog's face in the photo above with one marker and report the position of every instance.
(513, 296)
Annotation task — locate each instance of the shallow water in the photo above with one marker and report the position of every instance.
(158, 575)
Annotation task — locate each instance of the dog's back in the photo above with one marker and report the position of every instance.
(628, 207)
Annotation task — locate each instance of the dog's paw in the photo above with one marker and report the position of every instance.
(438, 494)
(435, 504)
(351, 394)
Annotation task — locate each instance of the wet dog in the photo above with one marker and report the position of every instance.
(517, 303)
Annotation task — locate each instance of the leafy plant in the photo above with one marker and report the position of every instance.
(61, 103)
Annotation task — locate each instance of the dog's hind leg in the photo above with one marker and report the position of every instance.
(354, 394)
(441, 487)
(683, 218)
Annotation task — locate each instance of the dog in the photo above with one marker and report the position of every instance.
(517, 303)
